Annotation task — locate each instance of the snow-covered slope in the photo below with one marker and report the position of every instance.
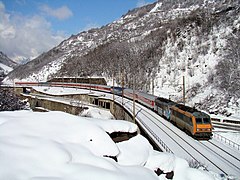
(157, 45)
(5, 69)
(6, 64)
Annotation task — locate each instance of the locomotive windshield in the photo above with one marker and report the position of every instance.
(206, 120)
(199, 120)
(203, 120)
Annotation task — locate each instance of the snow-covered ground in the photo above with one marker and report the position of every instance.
(56, 145)
(31, 130)
(234, 136)
(5, 68)
(231, 135)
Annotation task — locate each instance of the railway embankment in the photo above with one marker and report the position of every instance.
(75, 104)
(43, 102)
(50, 104)
(71, 103)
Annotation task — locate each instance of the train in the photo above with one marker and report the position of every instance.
(194, 122)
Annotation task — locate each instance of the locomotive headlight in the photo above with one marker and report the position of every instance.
(198, 129)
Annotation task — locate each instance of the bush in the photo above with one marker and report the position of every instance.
(10, 101)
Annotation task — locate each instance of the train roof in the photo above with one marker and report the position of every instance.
(87, 80)
(192, 110)
(161, 99)
(128, 90)
(148, 96)
(201, 114)
(142, 94)
(186, 108)
(117, 87)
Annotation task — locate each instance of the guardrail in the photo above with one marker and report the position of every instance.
(165, 147)
(7, 85)
(227, 141)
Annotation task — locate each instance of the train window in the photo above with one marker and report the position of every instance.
(185, 118)
(189, 121)
(206, 120)
(174, 113)
(199, 120)
(180, 116)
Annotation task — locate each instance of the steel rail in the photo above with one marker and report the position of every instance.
(227, 156)
(226, 141)
(190, 145)
(187, 143)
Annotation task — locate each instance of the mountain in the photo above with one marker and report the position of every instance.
(156, 46)
(6, 65)
(22, 60)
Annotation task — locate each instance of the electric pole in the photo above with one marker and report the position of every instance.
(90, 84)
(122, 85)
(184, 98)
(113, 95)
(152, 85)
(134, 118)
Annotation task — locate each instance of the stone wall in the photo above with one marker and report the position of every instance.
(120, 113)
(53, 105)
(117, 110)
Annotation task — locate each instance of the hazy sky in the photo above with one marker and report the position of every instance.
(30, 27)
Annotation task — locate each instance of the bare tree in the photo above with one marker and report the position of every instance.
(228, 69)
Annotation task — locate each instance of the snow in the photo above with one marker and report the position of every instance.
(7, 69)
(156, 8)
(57, 145)
(51, 68)
(60, 90)
(234, 136)
(132, 149)
(97, 114)
(194, 66)
(104, 114)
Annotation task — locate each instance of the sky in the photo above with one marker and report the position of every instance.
(31, 27)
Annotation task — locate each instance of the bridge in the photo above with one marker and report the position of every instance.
(215, 155)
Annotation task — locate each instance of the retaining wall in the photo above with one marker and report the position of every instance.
(115, 108)
(53, 105)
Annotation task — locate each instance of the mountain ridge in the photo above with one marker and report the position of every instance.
(157, 44)
(6, 65)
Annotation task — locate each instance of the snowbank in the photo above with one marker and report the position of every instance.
(56, 145)
(96, 113)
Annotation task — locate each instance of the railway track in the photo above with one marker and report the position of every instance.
(232, 160)
(229, 126)
(215, 158)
